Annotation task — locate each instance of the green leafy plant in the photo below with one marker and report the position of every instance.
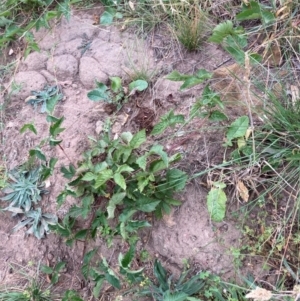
(216, 202)
(103, 272)
(71, 295)
(54, 272)
(205, 107)
(48, 98)
(17, 18)
(167, 120)
(37, 222)
(115, 94)
(168, 289)
(25, 190)
(112, 11)
(128, 179)
(254, 10)
(189, 81)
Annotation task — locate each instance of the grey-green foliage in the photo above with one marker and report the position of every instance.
(37, 222)
(48, 98)
(167, 288)
(24, 190)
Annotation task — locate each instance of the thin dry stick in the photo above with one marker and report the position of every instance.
(248, 97)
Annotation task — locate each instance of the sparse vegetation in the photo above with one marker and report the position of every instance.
(122, 179)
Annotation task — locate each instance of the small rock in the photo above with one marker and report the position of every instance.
(63, 66)
(89, 71)
(99, 127)
(35, 61)
(77, 92)
(50, 256)
(74, 86)
(28, 81)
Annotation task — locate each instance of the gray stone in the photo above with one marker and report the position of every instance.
(29, 81)
(70, 47)
(35, 61)
(110, 57)
(49, 77)
(46, 38)
(75, 28)
(89, 71)
(63, 66)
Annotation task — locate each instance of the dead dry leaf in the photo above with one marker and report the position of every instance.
(243, 191)
(295, 94)
(96, 19)
(131, 5)
(169, 219)
(272, 55)
(259, 294)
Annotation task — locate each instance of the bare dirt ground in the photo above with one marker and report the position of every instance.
(73, 55)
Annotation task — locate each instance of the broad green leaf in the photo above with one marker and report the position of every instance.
(104, 176)
(113, 280)
(53, 142)
(250, 11)
(133, 226)
(176, 76)
(89, 176)
(46, 269)
(55, 128)
(28, 126)
(97, 287)
(98, 94)
(138, 139)
(237, 129)
(176, 179)
(237, 53)
(71, 295)
(267, 17)
(124, 168)
(59, 266)
(174, 296)
(68, 173)
(116, 84)
(158, 150)
(221, 31)
(81, 234)
(196, 79)
(216, 116)
(37, 153)
(125, 261)
(146, 204)
(216, 204)
(142, 161)
(159, 128)
(86, 263)
(126, 137)
(120, 180)
(116, 199)
(139, 85)
(52, 102)
(143, 181)
(108, 16)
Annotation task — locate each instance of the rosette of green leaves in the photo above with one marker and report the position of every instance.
(24, 190)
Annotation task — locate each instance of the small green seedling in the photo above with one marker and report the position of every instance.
(115, 94)
(54, 272)
(48, 98)
(168, 289)
(37, 221)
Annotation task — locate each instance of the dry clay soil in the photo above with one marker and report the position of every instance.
(188, 233)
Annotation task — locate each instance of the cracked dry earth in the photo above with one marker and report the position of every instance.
(73, 54)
